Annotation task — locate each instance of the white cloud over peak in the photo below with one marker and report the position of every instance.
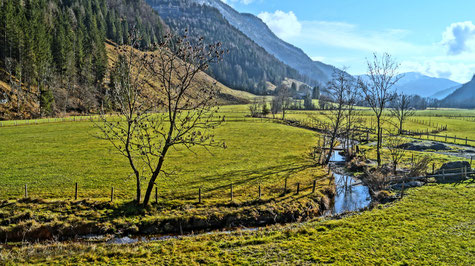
(284, 25)
(245, 2)
(349, 44)
(459, 37)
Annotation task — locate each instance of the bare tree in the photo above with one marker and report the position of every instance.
(395, 146)
(352, 120)
(254, 108)
(275, 106)
(162, 104)
(382, 76)
(401, 109)
(283, 98)
(339, 88)
(323, 102)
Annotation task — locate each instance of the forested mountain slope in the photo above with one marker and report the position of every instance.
(52, 52)
(247, 66)
(257, 30)
(463, 97)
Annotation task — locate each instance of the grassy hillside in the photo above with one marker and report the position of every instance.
(226, 96)
(432, 224)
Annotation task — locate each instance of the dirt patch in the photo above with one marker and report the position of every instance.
(425, 145)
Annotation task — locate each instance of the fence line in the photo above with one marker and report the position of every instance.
(319, 126)
(200, 195)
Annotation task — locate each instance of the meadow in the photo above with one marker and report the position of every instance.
(51, 157)
(460, 123)
(431, 225)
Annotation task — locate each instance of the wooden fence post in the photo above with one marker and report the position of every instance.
(314, 186)
(285, 186)
(298, 188)
(112, 194)
(402, 190)
(26, 191)
(199, 195)
(232, 196)
(76, 192)
(156, 194)
(260, 194)
(433, 168)
(466, 140)
(443, 174)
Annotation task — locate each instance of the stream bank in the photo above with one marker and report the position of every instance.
(350, 195)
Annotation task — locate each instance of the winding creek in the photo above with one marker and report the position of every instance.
(351, 195)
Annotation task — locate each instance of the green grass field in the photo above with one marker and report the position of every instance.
(460, 122)
(51, 157)
(432, 225)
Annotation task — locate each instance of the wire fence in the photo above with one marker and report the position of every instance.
(225, 193)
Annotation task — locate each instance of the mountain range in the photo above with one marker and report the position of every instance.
(254, 28)
(247, 66)
(413, 83)
(463, 97)
(425, 86)
(312, 72)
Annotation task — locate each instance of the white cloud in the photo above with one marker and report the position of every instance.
(442, 68)
(348, 44)
(318, 58)
(349, 36)
(245, 2)
(284, 25)
(459, 37)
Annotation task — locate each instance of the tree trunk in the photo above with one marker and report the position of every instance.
(400, 126)
(330, 151)
(378, 144)
(155, 174)
(139, 189)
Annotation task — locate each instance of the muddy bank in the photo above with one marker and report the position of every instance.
(29, 226)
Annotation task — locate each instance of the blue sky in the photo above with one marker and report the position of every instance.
(436, 38)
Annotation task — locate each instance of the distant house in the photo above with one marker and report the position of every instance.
(3, 99)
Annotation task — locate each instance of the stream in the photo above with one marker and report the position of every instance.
(351, 195)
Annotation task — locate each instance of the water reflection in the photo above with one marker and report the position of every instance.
(351, 195)
(337, 157)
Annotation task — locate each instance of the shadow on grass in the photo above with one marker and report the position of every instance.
(246, 177)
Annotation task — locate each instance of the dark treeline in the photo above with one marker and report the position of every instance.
(53, 53)
(246, 67)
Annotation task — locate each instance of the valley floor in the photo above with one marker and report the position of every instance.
(433, 224)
